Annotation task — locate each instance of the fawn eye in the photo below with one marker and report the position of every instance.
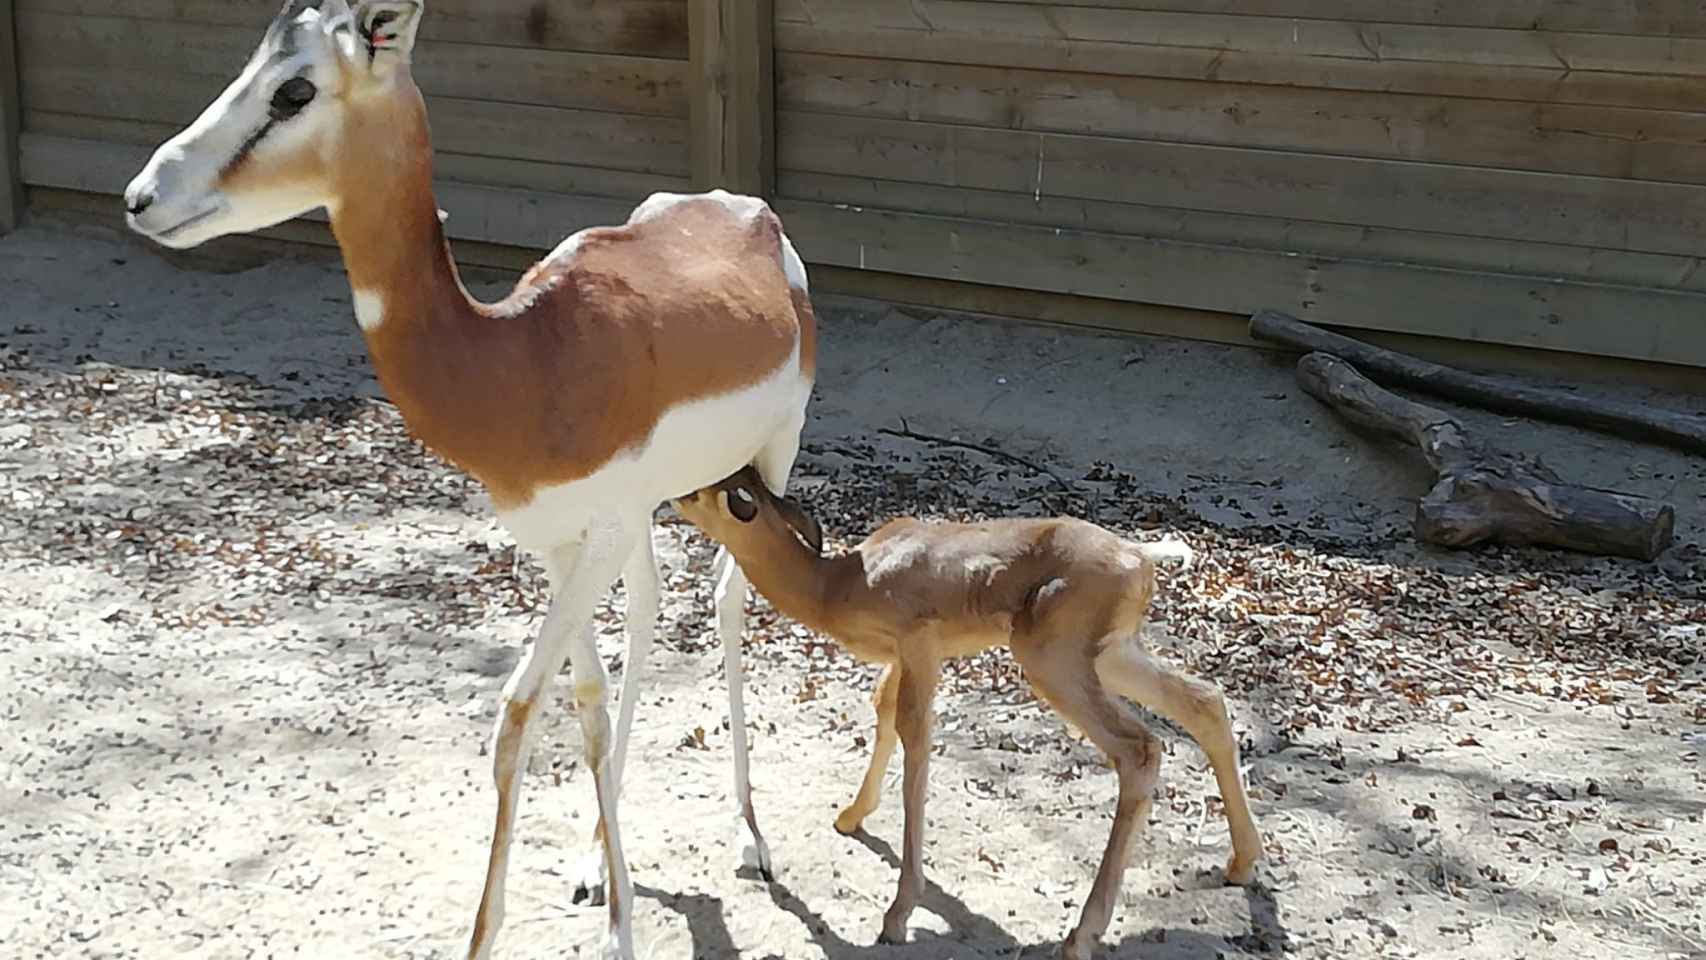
(291, 96)
(742, 505)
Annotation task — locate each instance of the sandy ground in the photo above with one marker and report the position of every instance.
(252, 638)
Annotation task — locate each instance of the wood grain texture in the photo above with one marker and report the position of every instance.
(1339, 39)
(11, 178)
(1483, 495)
(1495, 203)
(486, 214)
(461, 167)
(650, 28)
(1532, 312)
(1561, 138)
(100, 46)
(733, 123)
(1660, 18)
(1282, 235)
(1466, 73)
(1685, 431)
(474, 127)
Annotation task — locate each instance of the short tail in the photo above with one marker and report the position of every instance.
(1168, 550)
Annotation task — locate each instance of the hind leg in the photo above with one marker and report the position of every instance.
(774, 462)
(1198, 707)
(1071, 687)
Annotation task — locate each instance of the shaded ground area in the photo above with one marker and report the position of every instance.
(252, 638)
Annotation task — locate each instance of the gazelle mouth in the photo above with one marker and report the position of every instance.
(181, 225)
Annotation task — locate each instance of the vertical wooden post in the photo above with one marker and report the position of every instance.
(11, 186)
(733, 95)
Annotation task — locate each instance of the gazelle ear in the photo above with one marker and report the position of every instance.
(385, 32)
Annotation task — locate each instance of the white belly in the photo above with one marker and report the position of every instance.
(694, 445)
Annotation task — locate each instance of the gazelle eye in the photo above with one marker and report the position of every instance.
(291, 96)
(742, 506)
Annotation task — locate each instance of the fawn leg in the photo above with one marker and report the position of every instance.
(883, 698)
(1198, 707)
(912, 722)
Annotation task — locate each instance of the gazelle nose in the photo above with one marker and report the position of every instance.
(136, 201)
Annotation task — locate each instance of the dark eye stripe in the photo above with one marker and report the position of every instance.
(287, 101)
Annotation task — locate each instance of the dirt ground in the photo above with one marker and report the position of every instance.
(253, 636)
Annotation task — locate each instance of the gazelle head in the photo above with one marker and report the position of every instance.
(742, 514)
(269, 148)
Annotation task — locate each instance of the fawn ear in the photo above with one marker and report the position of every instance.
(803, 523)
(385, 32)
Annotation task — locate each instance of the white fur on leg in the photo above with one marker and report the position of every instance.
(730, 597)
(640, 579)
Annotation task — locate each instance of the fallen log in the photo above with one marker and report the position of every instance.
(1484, 495)
(1629, 420)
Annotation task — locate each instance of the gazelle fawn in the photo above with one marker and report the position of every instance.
(1068, 597)
(633, 364)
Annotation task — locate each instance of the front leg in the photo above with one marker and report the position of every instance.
(883, 698)
(580, 573)
(640, 581)
(913, 715)
(731, 616)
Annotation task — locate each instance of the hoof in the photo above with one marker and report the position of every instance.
(1239, 873)
(618, 948)
(1076, 947)
(849, 821)
(589, 881)
(755, 854)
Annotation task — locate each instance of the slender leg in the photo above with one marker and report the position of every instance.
(1071, 686)
(913, 722)
(1198, 707)
(579, 574)
(883, 698)
(640, 578)
(1137, 772)
(731, 598)
(774, 463)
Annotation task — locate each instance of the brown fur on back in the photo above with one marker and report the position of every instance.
(976, 583)
(585, 356)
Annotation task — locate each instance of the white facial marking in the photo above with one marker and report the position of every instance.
(369, 309)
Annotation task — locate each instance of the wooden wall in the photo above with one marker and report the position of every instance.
(1526, 172)
(1529, 173)
(547, 115)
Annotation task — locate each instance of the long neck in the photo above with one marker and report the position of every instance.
(432, 354)
(387, 225)
(796, 581)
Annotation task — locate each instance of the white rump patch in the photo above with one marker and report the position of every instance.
(369, 308)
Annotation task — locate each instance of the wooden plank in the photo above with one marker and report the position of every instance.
(1531, 312)
(487, 214)
(1269, 233)
(1664, 18)
(1143, 319)
(464, 168)
(480, 128)
(1554, 83)
(648, 28)
(733, 125)
(471, 71)
(1501, 204)
(1598, 141)
(11, 178)
(1356, 38)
